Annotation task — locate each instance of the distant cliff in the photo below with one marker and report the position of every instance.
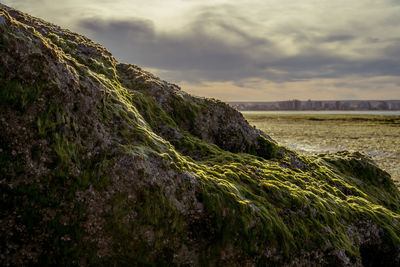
(319, 105)
(104, 164)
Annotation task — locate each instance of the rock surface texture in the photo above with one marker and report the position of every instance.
(102, 163)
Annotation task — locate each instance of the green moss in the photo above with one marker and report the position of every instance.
(99, 64)
(183, 112)
(68, 155)
(96, 66)
(18, 94)
(40, 208)
(367, 180)
(248, 200)
(150, 110)
(251, 202)
(267, 149)
(66, 45)
(155, 227)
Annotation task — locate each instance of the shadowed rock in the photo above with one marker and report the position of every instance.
(102, 163)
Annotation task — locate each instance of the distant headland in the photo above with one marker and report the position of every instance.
(319, 105)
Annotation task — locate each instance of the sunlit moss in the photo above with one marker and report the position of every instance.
(251, 202)
(319, 133)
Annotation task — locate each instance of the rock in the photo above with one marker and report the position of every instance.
(102, 163)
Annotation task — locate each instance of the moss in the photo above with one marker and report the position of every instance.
(252, 203)
(18, 94)
(150, 111)
(249, 201)
(99, 64)
(232, 197)
(66, 45)
(182, 112)
(267, 149)
(68, 155)
(367, 180)
(156, 225)
(96, 66)
(40, 208)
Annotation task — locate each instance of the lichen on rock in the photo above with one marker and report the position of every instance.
(103, 163)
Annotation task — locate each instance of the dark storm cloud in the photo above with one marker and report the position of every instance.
(393, 50)
(215, 48)
(320, 64)
(337, 38)
(195, 50)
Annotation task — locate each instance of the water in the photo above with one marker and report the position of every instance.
(376, 133)
(327, 112)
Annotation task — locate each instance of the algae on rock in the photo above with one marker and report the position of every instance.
(103, 163)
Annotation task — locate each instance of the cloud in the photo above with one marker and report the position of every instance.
(274, 44)
(215, 48)
(204, 49)
(337, 38)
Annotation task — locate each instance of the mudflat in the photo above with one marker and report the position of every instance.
(375, 135)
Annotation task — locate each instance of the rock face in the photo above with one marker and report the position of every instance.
(102, 163)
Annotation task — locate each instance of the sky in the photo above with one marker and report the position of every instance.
(253, 50)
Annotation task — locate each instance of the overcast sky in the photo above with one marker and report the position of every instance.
(259, 50)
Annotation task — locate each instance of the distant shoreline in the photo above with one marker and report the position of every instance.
(318, 105)
(325, 112)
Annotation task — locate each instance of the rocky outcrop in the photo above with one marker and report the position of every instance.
(102, 163)
(208, 119)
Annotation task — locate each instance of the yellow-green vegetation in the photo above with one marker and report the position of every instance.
(19, 95)
(252, 200)
(376, 136)
(90, 182)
